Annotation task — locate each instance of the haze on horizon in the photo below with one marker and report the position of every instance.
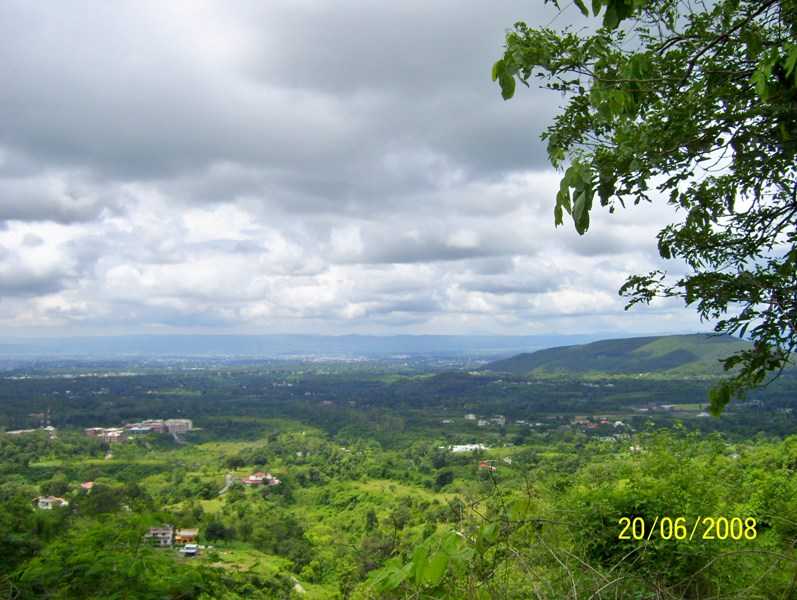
(296, 167)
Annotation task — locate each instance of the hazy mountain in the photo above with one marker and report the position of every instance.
(673, 354)
(284, 345)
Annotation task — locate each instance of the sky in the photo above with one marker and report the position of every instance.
(293, 166)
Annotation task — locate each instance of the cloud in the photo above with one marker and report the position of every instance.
(37, 271)
(325, 167)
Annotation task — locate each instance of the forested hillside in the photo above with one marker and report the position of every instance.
(672, 355)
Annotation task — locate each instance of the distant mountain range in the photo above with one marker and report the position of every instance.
(676, 355)
(277, 346)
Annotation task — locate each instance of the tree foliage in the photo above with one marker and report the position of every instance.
(694, 104)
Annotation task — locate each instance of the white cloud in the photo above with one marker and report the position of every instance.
(312, 167)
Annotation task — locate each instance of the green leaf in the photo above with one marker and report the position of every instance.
(582, 7)
(791, 61)
(498, 69)
(419, 559)
(581, 213)
(393, 577)
(719, 396)
(435, 568)
(563, 197)
(490, 533)
(664, 249)
(507, 83)
(759, 79)
(451, 542)
(611, 19)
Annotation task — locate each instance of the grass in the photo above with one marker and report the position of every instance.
(240, 557)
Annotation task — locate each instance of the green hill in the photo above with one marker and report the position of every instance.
(676, 355)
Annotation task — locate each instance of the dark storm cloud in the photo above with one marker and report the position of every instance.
(513, 285)
(317, 96)
(21, 283)
(48, 197)
(428, 64)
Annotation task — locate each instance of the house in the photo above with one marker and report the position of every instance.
(154, 425)
(499, 420)
(185, 536)
(178, 425)
(260, 478)
(139, 429)
(162, 536)
(114, 436)
(482, 423)
(470, 417)
(110, 435)
(486, 466)
(87, 485)
(467, 448)
(50, 502)
(148, 426)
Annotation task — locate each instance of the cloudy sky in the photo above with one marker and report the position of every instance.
(292, 166)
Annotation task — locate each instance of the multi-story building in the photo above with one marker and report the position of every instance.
(178, 425)
(161, 536)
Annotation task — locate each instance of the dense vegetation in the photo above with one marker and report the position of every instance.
(372, 502)
(672, 356)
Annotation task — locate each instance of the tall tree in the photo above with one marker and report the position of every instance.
(693, 103)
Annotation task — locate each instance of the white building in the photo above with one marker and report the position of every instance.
(160, 536)
(49, 502)
(467, 447)
(178, 425)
